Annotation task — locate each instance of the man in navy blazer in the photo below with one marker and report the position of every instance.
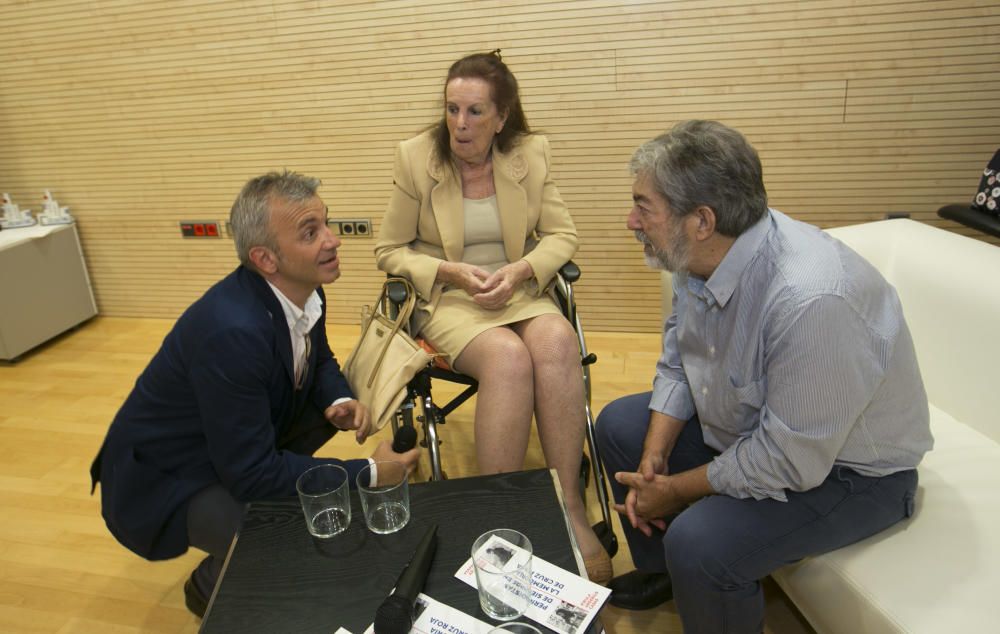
(241, 393)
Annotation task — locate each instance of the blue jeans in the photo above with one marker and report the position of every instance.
(719, 548)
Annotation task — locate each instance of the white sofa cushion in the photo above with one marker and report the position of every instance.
(950, 289)
(936, 572)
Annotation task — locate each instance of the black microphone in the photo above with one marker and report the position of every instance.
(395, 615)
(405, 439)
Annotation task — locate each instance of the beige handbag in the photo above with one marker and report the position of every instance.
(385, 357)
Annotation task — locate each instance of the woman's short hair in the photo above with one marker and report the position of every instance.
(503, 91)
(706, 163)
(249, 218)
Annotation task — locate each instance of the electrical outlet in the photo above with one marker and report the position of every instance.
(349, 228)
(200, 229)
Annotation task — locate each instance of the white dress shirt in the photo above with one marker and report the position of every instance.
(300, 323)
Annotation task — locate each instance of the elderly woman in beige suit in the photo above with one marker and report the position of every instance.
(477, 224)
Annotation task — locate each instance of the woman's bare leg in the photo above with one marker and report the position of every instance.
(560, 412)
(498, 359)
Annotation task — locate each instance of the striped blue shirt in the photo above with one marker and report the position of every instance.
(795, 356)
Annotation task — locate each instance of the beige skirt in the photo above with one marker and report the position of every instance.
(458, 319)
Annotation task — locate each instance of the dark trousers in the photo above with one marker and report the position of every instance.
(719, 548)
(214, 515)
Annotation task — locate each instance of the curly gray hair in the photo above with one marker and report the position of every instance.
(706, 163)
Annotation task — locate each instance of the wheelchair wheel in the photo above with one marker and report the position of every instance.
(607, 536)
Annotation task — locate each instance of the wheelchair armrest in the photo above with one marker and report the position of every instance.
(397, 293)
(570, 272)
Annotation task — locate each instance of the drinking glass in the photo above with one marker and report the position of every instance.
(386, 504)
(502, 559)
(324, 491)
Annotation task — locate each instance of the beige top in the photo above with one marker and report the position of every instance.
(483, 234)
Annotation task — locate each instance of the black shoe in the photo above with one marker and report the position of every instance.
(638, 590)
(195, 601)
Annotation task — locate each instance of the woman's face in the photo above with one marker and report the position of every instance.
(472, 117)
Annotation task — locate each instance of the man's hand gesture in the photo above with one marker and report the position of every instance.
(351, 414)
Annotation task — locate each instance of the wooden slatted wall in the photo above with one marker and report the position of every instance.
(139, 114)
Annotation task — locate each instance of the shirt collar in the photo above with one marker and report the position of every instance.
(723, 282)
(299, 321)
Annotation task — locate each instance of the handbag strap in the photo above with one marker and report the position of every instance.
(402, 317)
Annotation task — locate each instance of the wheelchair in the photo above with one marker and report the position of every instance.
(432, 415)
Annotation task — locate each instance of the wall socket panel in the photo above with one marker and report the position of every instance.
(201, 228)
(349, 228)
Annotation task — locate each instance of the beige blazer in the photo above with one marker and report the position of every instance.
(425, 221)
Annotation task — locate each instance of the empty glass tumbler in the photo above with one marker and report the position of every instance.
(386, 504)
(502, 559)
(324, 491)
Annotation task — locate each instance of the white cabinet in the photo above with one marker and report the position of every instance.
(44, 286)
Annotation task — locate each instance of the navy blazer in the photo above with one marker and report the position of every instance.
(210, 408)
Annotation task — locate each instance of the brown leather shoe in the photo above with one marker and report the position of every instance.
(599, 569)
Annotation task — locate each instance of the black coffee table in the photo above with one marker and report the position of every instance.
(278, 578)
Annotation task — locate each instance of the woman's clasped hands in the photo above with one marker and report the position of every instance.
(490, 291)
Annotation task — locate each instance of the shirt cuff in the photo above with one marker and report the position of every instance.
(342, 399)
(373, 480)
(726, 477)
(672, 398)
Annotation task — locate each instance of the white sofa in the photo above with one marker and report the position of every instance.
(939, 571)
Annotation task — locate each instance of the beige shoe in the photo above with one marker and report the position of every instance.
(599, 568)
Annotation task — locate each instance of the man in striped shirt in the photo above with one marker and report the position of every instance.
(787, 415)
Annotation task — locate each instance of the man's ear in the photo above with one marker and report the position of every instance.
(705, 227)
(264, 259)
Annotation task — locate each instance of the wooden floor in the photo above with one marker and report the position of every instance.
(60, 569)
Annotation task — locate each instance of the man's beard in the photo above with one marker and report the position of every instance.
(675, 258)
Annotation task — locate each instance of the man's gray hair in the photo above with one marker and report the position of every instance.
(706, 163)
(249, 219)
